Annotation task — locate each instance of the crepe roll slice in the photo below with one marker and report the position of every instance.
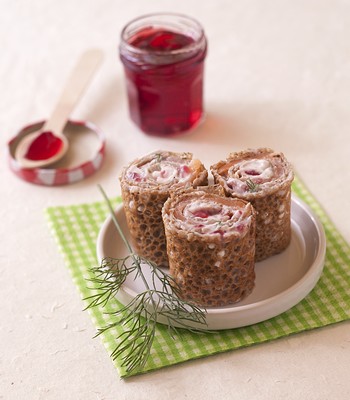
(262, 177)
(145, 185)
(211, 247)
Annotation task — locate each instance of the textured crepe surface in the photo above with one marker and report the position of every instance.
(270, 195)
(146, 183)
(211, 246)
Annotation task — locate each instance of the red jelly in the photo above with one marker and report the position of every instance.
(163, 57)
(45, 146)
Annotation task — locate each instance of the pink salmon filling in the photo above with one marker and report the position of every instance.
(251, 173)
(164, 171)
(209, 217)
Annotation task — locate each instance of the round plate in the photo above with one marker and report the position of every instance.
(282, 281)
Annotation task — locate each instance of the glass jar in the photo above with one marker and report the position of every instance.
(163, 57)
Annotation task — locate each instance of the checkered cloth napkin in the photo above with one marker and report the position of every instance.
(76, 227)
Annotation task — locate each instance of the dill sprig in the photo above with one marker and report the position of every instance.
(159, 302)
(252, 186)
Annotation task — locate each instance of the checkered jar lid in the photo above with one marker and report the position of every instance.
(84, 157)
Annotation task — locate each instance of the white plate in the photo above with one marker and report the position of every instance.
(282, 281)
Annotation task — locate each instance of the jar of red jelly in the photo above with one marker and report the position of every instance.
(163, 57)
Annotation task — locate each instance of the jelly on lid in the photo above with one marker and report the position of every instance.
(44, 147)
(47, 146)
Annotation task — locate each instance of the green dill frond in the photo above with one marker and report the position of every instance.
(158, 302)
(253, 187)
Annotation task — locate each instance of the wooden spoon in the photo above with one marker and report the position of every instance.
(49, 144)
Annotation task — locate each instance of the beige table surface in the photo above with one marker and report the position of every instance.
(277, 75)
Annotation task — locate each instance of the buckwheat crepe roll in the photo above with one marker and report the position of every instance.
(211, 246)
(262, 177)
(146, 184)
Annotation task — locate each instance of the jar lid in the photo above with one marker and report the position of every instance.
(84, 156)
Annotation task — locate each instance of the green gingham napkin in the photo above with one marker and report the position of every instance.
(76, 227)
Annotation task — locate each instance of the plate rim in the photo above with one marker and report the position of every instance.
(307, 282)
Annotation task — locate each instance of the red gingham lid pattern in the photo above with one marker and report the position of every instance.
(56, 176)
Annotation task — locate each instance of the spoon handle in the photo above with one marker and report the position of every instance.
(74, 88)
